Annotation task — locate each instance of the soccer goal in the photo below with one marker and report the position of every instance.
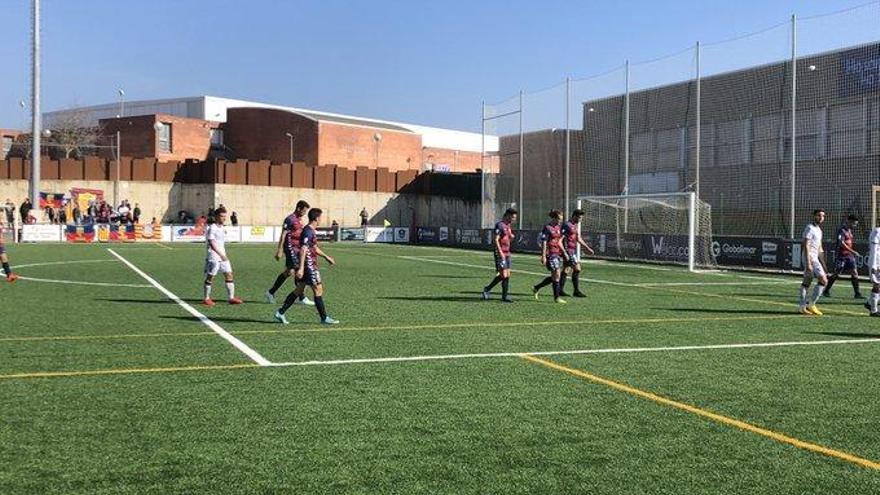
(665, 227)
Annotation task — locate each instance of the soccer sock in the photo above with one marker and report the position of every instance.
(855, 284)
(803, 294)
(493, 283)
(831, 280)
(279, 281)
(288, 302)
(817, 293)
(875, 298)
(230, 289)
(562, 281)
(555, 289)
(319, 305)
(207, 291)
(576, 281)
(544, 283)
(505, 287)
(6, 269)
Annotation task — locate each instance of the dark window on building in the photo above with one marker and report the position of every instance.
(216, 138)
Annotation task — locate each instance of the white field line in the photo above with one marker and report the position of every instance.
(48, 263)
(78, 282)
(673, 284)
(600, 281)
(621, 350)
(241, 346)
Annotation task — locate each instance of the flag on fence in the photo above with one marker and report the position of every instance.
(80, 233)
(386, 223)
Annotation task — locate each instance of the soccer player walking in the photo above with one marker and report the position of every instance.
(846, 257)
(811, 246)
(874, 271)
(217, 261)
(501, 242)
(288, 245)
(572, 238)
(307, 271)
(553, 256)
(4, 258)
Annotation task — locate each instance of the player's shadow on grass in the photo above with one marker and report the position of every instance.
(852, 335)
(435, 298)
(451, 276)
(728, 311)
(221, 319)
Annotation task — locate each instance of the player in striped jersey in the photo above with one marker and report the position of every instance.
(572, 240)
(501, 242)
(553, 256)
(288, 244)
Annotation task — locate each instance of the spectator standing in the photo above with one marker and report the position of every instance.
(137, 213)
(77, 214)
(234, 219)
(364, 217)
(62, 216)
(25, 210)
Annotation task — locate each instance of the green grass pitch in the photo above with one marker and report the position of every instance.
(108, 386)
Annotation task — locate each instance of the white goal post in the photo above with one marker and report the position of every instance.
(661, 227)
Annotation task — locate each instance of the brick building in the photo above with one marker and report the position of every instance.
(203, 127)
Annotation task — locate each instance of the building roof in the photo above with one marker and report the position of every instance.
(214, 108)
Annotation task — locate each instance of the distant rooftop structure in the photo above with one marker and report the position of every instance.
(214, 108)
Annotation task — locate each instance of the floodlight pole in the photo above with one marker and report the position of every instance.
(36, 117)
(626, 151)
(118, 159)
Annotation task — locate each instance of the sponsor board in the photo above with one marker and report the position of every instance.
(352, 234)
(40, 233)
(379, 234)
(401, 235)
(258, 233)
(327, 234)
(427, 235)
(188, 233)
(469, 237)
(443, 234)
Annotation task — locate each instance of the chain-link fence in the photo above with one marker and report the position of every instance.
(765, 128)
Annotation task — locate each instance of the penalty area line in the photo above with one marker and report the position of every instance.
(241, 346)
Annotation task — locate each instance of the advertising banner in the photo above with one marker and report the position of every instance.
(352, 234)
(258, 234)
(379, 234)
(427, 235)
(41, 233)
(401, 235)
(327, 234)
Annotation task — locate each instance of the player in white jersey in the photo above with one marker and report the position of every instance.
(874, 270)
(813, 254)
(216, 260)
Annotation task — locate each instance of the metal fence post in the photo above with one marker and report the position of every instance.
(483, 164)
(793, 122)
(521, 148)
(567, 144)
(626, 152)
(697, 127)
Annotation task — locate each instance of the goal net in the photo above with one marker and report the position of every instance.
(667, 228)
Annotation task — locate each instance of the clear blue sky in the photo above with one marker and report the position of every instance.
(416, 61)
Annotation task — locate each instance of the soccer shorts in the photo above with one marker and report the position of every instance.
(311, 275)
(818, 270)
(291, 261)
(573, 258)
(554, 262)
(845, 264)
(502, 262)
(875, 275)
(2, 249)
(212, 267)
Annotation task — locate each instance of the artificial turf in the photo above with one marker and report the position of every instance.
(177, 414)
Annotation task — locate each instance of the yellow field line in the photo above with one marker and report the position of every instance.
(742, 425)
(401, 327)
(763, 301)
(125, 371)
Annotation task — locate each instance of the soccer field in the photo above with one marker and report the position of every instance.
(660, 381)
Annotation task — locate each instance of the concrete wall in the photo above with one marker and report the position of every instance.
(190, 138)
(268, 205)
